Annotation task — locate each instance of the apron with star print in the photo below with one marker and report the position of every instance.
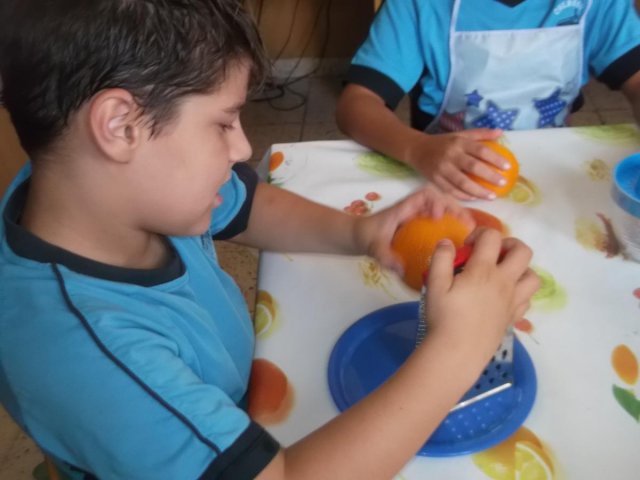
(511, 79)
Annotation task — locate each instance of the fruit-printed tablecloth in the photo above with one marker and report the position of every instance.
(582, 332)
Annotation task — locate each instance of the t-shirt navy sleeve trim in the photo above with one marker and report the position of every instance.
(249, 177)
(622, 69)
(246, 458)
(378, 83)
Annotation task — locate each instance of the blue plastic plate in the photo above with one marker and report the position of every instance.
(375, 346)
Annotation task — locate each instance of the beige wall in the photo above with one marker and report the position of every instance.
(11, 155)
(349, 22)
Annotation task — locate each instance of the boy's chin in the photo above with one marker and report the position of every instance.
(196, 230)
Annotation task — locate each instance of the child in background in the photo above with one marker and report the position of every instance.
(125, 350)
(476, 67)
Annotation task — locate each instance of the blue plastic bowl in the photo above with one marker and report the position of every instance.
(626, 185)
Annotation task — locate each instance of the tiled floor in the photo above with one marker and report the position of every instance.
(266, 125)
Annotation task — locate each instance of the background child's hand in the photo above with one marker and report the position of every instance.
(447, 158)
(472, 310)
(374, 233)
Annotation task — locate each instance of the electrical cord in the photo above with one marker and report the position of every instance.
(274, 90)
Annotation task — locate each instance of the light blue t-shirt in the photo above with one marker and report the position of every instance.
(408, 42)
(129, 374)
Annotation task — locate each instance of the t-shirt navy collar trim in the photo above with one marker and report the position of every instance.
(511, 3)
(27, 245)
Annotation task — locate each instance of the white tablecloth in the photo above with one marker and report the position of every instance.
(586, 417)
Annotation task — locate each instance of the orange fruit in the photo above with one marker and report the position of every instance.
(270, 393)
(625, 364)
(275, 160)
(416, 240)
(511, 175)
(484, 219)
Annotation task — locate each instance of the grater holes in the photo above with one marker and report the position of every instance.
(505, 352)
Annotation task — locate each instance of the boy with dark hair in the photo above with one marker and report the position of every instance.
(476, 67)
(125, 350)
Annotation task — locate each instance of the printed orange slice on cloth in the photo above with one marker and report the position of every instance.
(275, 160)
(270, 393)
(625, 364)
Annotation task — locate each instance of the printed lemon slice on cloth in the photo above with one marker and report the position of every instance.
(598, 170)
(498, 462)
(383, 166)
(532, 463)
(525, 192)
(616, 134)
(550, 296)
(266, 316)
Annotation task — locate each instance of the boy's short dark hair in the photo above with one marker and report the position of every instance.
(57, 54)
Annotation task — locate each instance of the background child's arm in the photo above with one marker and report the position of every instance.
(283, 221)
(631, 89)
(469, 314)
(444, 158)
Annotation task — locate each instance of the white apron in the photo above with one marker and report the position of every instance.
(511, 79)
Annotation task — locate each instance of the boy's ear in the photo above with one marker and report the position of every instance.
(114, 124)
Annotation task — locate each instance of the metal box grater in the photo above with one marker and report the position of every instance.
(497, 375)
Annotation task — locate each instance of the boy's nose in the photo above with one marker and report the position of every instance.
(240, 147)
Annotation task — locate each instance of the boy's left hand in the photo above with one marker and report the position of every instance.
(374, 233)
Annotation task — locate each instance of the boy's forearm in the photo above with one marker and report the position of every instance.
(384, 430)
(363, 116)
(283, 221)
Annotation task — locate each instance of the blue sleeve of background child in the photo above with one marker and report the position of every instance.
(612, 30)
(393, 46)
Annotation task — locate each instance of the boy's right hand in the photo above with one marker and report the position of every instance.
(472, 310)
(447, 159)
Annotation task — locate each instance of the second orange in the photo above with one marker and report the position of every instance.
(511, 175)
